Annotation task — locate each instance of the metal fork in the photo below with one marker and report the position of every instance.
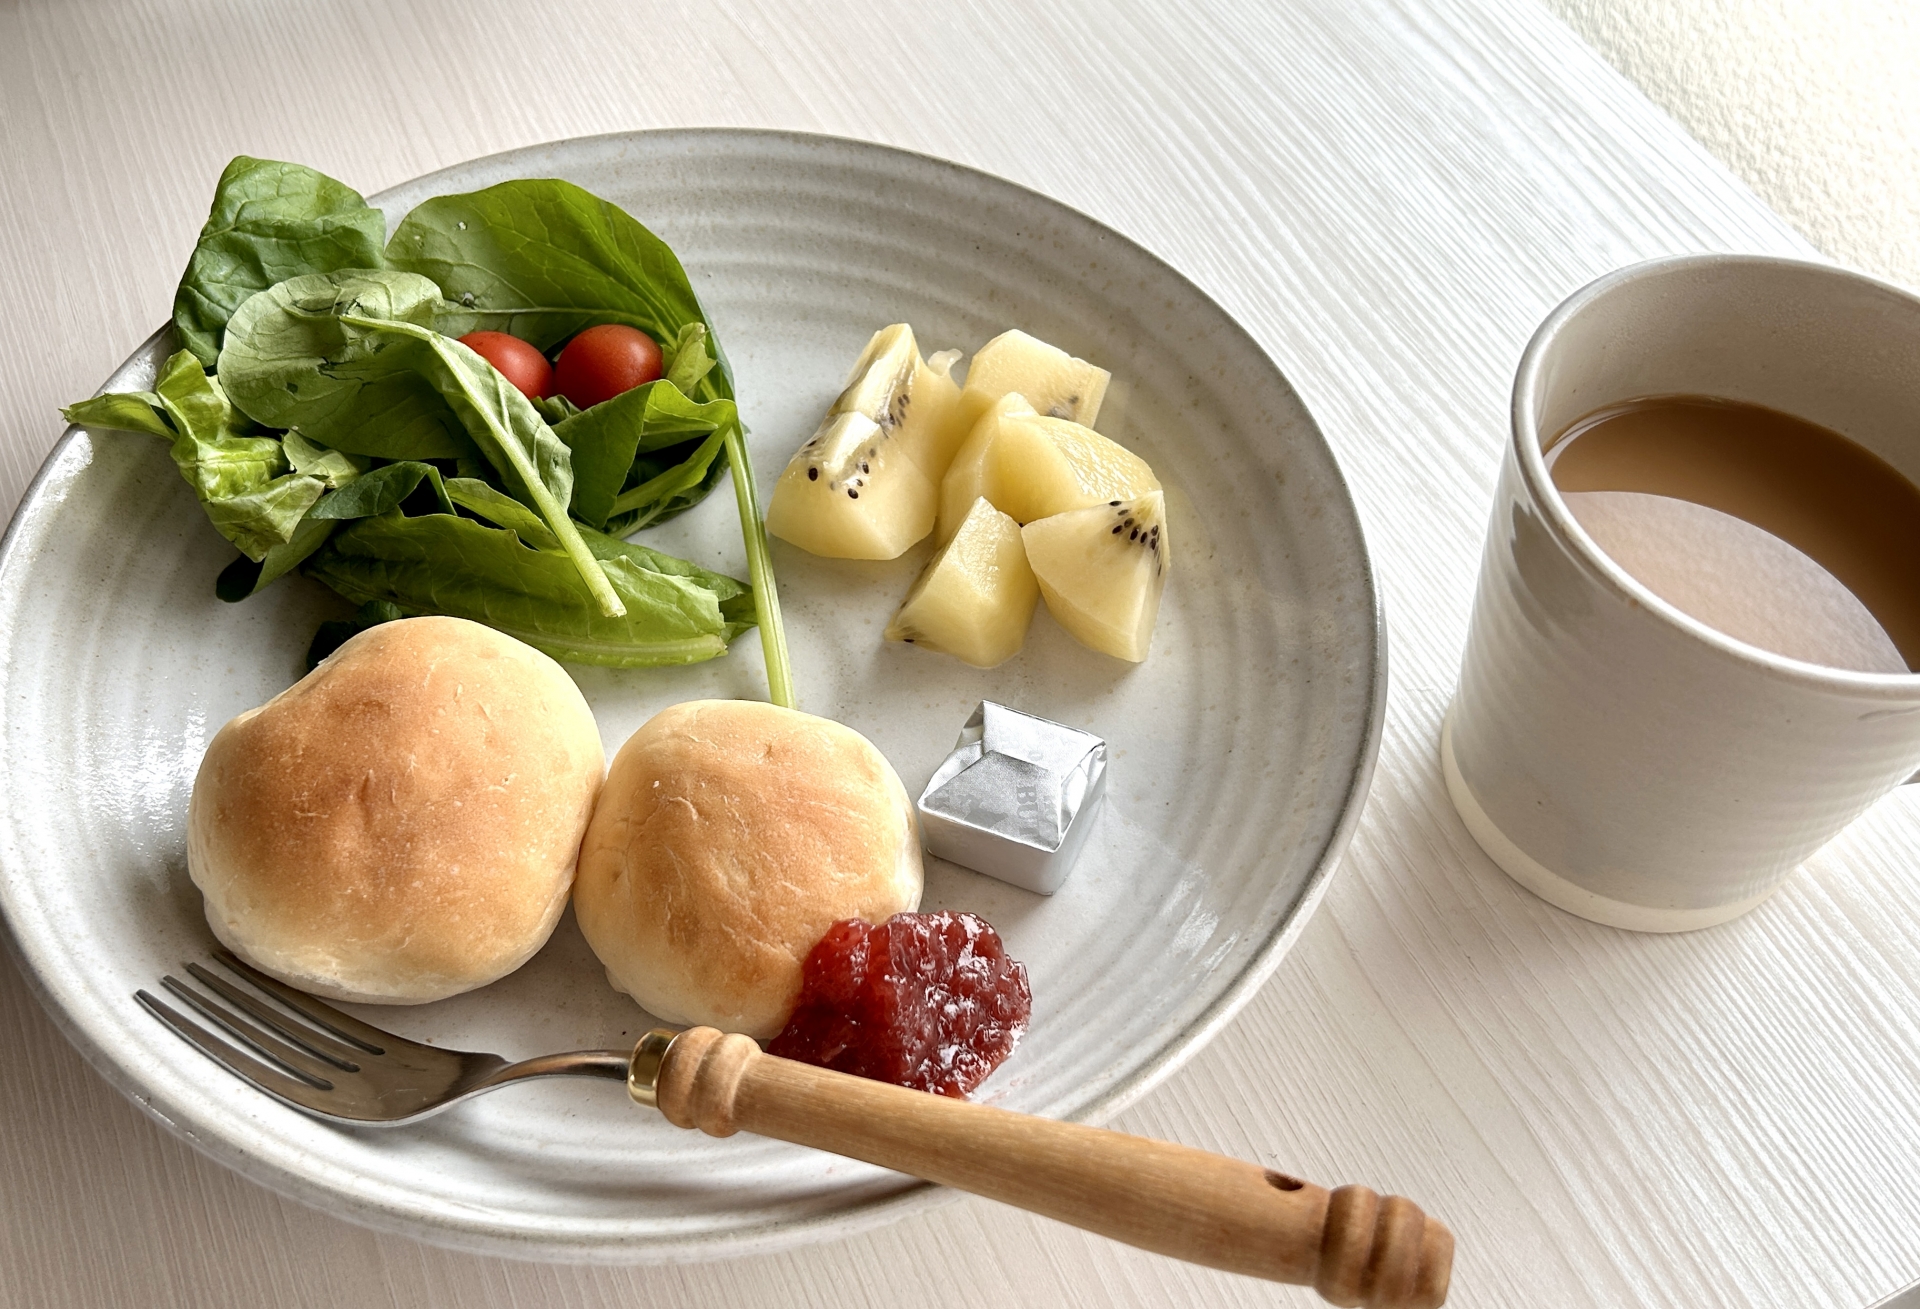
(331, 1064)
(336, 1066)
(1352, 1245)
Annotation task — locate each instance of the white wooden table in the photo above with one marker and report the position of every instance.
(1389, 195)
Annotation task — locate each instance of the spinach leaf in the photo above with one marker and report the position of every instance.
(685, 474)
(335, 633)
(289, 361)
(542, 259)
(556, 409)
(245, 577)
(735, 596)
(305, 347)
(444, 564)
(283, 559)
(497, 507)
(270, 221)
(532, 462)
(606, 439)
(380, 490)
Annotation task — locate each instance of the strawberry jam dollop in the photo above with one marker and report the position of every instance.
(927, 1001)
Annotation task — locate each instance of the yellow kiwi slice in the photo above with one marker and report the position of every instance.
(1102, 571)
(976, 597)
(1031, 466)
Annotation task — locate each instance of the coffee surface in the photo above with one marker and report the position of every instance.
(1775, 530)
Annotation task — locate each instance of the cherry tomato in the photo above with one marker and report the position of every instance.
(603, 361)
(517, 361)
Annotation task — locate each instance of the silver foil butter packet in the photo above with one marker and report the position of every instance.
(1015, 799)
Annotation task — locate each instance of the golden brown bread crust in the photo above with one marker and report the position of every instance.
(401, 824)
(729, 837)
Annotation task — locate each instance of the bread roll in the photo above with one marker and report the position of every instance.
(402, 823)
(729, 837)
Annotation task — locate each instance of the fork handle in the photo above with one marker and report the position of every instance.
(1351, 1245)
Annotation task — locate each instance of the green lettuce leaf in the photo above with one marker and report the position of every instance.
(125, 411)
(270, 221)
(333, 467)
(241, 479)
(685, 361)
(245, 577)
(444, 564)
(533, 464)
(542, 259)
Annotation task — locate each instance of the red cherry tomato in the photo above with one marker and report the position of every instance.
(517, 361)
(603, 361)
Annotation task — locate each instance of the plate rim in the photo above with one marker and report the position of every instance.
(448, 1230)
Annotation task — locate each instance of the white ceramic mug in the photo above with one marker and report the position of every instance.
(1616, 756)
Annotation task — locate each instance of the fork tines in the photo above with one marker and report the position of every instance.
(292, 1049)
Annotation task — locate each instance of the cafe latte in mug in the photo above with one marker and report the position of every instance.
(1764, 526)
(1692, 649)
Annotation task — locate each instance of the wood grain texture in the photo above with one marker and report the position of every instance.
(1389, 194)
(1349, 1244)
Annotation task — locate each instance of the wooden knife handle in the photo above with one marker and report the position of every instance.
(1350, 1244)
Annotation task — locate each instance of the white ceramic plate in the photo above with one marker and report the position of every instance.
(1240, 750)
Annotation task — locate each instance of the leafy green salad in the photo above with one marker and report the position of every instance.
(330, 419)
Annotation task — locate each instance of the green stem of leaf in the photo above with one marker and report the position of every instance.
(766, 599)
